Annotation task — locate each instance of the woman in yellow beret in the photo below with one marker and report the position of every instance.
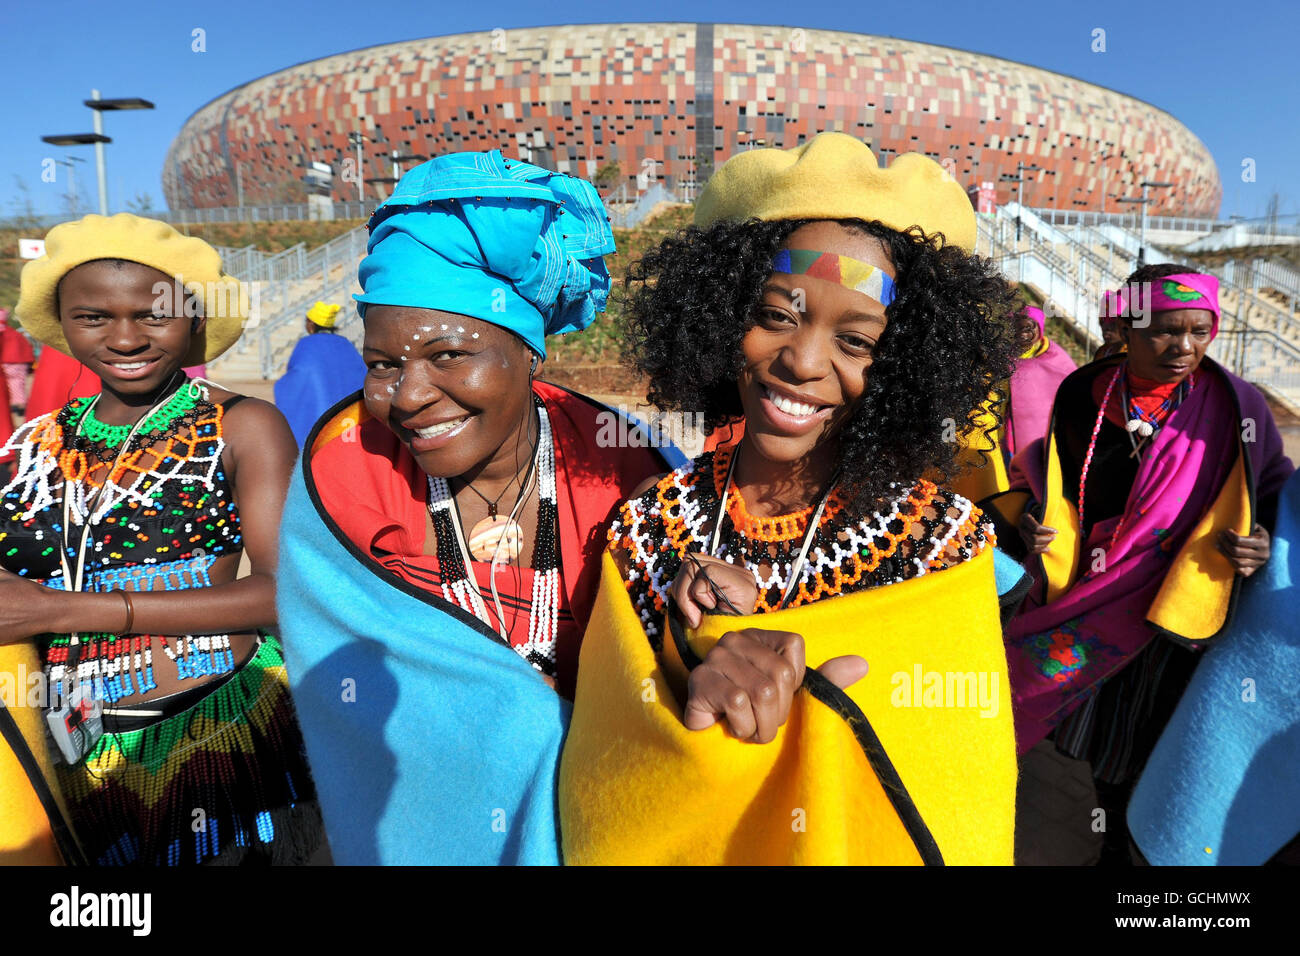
(835, 309)
(121, 536)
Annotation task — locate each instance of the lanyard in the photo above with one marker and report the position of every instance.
(816, 518)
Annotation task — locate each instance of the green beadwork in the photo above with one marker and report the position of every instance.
(111, 436)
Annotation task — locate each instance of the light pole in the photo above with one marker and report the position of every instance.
(100, 106)
(1019, 180)
(397, 170)
(1143, 201)
(81, 139)
(398, 159)
(356, 138)
(97, 138)
(70, 162)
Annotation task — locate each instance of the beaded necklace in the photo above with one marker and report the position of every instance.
(780, 528)
(1140, 422)
(660, 530)
(78, 418)
(459, 586)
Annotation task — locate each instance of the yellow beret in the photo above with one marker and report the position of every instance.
(223, 299)
(835, 176)
(323, 314)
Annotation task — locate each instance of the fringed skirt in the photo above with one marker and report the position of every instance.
(224, 782)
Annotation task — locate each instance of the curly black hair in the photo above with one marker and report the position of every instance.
(948, 343)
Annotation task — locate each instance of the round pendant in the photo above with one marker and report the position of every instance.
(485, 536)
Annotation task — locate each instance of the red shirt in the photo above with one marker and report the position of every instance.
(375, 491)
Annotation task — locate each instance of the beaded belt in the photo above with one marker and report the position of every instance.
(117, 666)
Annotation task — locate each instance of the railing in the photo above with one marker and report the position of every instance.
(1246, 234)
(276, 212)
(1072, 276)
(1078, 217)
(627, 216)
(1267, 274)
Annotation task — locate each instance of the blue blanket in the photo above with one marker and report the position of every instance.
(1222, 786)
(456, 737)
(322, 369)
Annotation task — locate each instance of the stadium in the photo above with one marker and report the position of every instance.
(633, 104)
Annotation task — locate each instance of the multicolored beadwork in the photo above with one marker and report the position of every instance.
(162, 518)
(923, 529)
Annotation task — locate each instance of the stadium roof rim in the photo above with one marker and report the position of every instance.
(603, 23)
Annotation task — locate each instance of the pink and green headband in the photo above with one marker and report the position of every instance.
(1185, 290)
(870, 280)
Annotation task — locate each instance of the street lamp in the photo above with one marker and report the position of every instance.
(1143, 202)
(399, 159)
(356, 139)
(71, 163)
(1019, 180)
(97, 138)
(79, 139)
(100, 106)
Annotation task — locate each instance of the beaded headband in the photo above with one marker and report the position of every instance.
(854, 274)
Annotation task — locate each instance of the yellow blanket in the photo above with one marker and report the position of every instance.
(25, 836)
(913, 764)
(979, 458)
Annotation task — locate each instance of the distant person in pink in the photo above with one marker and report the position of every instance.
(1042, 366)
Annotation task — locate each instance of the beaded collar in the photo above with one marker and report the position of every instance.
(900, 541)
(778, 528)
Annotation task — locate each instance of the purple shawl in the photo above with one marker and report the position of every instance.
(1058, 653)
(1033, 386)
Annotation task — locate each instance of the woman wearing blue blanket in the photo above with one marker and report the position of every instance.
(442, 538)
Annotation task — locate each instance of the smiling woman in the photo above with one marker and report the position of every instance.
(833, 308)
(123, 528)
(445, 527)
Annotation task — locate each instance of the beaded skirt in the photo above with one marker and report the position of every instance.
(224, 782)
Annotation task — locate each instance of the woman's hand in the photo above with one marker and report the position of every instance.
(694, 596)
(750, 678)
(1037, 537)
(1247, 554)
(24, 608)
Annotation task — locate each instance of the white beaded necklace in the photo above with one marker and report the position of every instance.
(458, 584)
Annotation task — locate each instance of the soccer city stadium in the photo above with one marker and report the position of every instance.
(669, 102)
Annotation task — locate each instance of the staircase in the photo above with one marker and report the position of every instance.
(283, 286)
(1259, 337)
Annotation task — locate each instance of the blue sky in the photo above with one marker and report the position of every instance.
(1226, 70)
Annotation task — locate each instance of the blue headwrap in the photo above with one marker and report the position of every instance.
(493, 238)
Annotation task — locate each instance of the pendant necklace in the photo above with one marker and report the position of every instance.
(496, 535)
(459, 585)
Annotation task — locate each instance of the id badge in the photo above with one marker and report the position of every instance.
(77, 725)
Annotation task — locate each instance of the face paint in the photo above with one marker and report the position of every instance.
(850, 273)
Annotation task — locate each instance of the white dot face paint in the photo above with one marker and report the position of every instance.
(459, 329)
(475, 335)
(406, 347)
(444, 328)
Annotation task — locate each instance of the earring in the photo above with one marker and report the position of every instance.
(532, 369)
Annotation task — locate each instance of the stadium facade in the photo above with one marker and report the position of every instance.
(669, 101)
